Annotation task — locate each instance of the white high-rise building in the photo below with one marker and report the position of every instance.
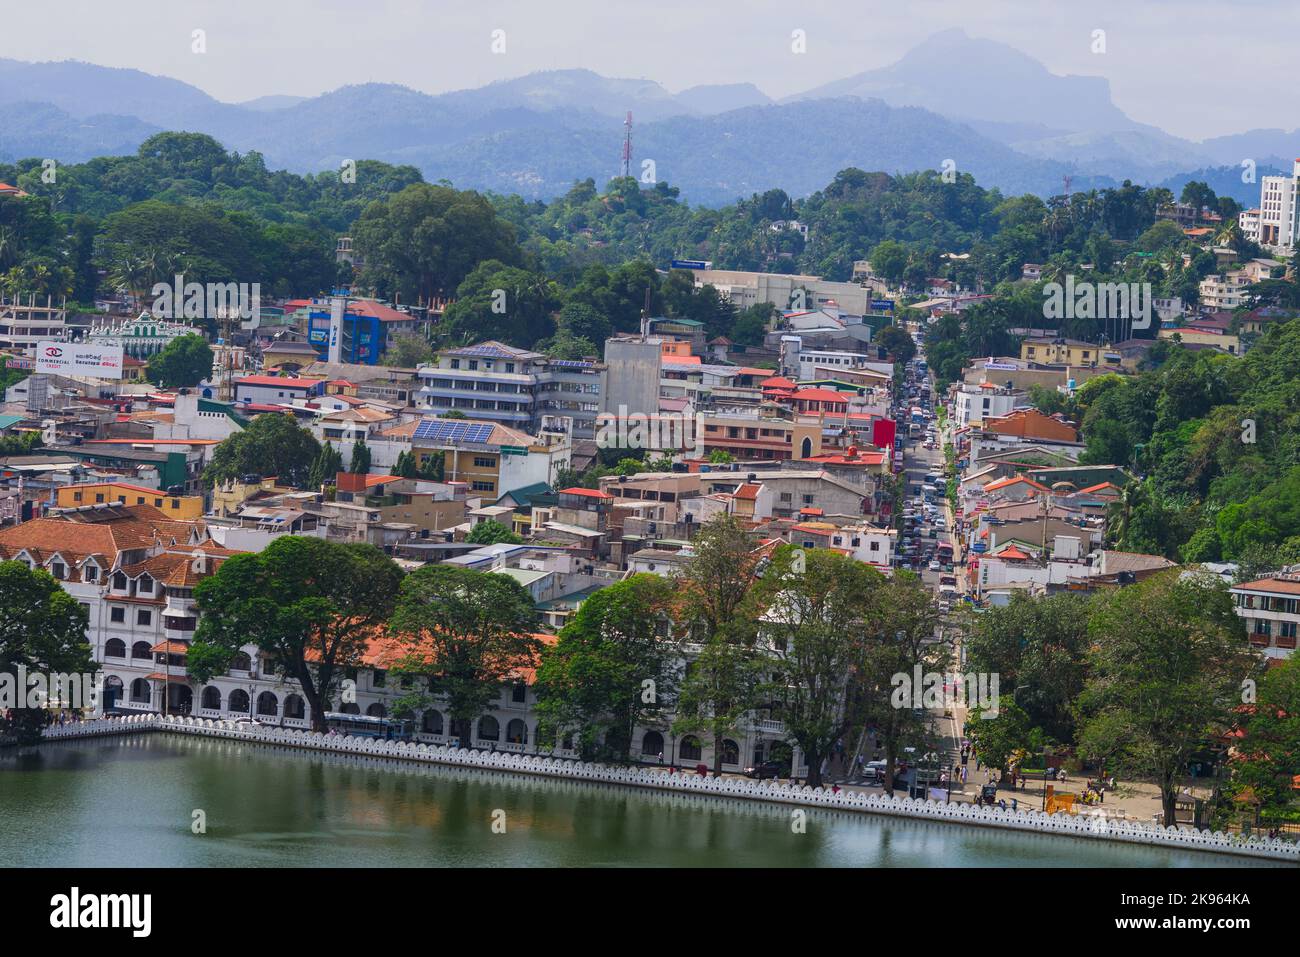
(1278, 223)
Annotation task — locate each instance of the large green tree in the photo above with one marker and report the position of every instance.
(470, 632)
(614, 667)
(184, 362)
(1166, 667)
(422, 242)
(817, 624)
(42, 629)
(272, 444)
(722, 681)
(310, 606)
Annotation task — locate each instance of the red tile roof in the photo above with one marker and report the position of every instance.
(585, 492)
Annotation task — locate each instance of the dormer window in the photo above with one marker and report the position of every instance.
(90, 572)
(146, 585)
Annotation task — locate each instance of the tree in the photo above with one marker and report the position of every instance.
(42, 629)
(1168, 659)
(311, 606)
(720, 685)
(272, 444)
(491, 532)
(1270, 748)
(408, 352)
(360, 457)
(184, 362)
(903, 617)
(1038, 648)
(816, 625)
(613, 668)
(325, 467)
(897, 343)
(469, 631)
(423, 241)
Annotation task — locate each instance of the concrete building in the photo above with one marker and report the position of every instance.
(180, 507)
(489, 457)
(25, 321)
(512, 386)
(269, 390)
(976, 403)
(630, 380)
(1271, 609)
(744, 289)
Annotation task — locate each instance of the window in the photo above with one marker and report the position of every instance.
(484, 462)
(176, 503)
(58, 569)
(519, 693)
(144, 617)
(117, 614)
(90, 573)
(484, 486)
(119, 581)
(99, 497)
(157, 503)
(76, 496)
(690, 749)
(115, 648)
(379, 678)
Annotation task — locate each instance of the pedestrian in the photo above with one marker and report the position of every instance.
(1002, 803)
(1014, 805)
(661, 757)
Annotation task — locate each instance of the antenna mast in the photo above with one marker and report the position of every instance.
(627, 144)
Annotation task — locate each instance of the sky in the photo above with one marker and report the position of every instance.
(1195, 68)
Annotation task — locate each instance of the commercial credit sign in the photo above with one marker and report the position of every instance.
(77, 358)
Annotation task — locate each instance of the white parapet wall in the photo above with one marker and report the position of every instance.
(783, 793)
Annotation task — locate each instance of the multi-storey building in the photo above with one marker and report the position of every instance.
(512, 386)
(1271, 609)
(25, 321)
(1277, 210)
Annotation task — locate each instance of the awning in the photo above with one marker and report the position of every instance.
(173, 679)
(170, 647)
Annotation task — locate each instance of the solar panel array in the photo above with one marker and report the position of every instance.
(492, 352)
(452, 430)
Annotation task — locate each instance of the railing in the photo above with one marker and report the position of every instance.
(778, 792)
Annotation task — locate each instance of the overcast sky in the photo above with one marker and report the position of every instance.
(1193, 67)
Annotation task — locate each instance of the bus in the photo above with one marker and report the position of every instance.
(369, 726)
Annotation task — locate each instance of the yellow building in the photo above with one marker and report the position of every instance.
(184, 507)
(1069, 352)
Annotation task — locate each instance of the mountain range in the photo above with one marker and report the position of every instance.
(994, 111)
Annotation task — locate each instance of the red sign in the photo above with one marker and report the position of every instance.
(882, 433)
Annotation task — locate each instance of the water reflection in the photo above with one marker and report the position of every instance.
(125, 801)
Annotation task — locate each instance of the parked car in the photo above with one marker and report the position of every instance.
(768, 769)
(935, 566)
